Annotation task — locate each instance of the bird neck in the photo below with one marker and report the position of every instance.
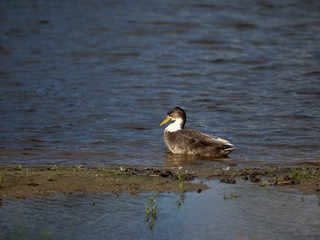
(175, 126)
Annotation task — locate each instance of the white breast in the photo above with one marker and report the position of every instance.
(175, 126)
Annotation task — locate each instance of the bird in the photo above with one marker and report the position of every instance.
(185, 141)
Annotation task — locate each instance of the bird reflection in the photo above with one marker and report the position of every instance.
(177, 160)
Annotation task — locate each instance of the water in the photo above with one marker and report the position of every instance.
(252, 212)
(90, 81)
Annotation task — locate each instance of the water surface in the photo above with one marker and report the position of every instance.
(241, 211)
(90, 81)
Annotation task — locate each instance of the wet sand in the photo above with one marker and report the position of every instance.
(30, 181)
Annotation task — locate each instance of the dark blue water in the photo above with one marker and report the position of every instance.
(252, 213)
(90, 81)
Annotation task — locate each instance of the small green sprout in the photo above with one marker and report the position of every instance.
(181, 184)
(151, 208)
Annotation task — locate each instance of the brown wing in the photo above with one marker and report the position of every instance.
(200, 138)
(193, 142)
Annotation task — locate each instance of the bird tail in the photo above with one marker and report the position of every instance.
(227, 149)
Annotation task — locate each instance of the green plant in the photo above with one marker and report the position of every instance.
(276, 179)
(181, 187)
(225, 197)
(181, 184)
(114, 172)
(151, 209)
(262, 183)
(232, 196)
(181, 199)
(296, 175)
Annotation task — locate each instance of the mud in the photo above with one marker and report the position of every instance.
(306, 180)
(24, 182)
(29, 181)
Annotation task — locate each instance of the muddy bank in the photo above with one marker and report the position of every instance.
(21, 182)
(28, 181)
(306, 180)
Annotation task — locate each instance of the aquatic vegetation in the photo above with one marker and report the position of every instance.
(181, 199)
(181, 187)
(231, 195)
(114, 172)
(263, 183)
(276, 179)
(234, 195)
(181, 184)
(297, 175)
(151, 210)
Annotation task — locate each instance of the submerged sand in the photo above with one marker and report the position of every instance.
(30, 181)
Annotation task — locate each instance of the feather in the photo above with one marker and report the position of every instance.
(192, 142)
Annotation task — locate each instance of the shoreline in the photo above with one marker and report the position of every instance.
(32, 181)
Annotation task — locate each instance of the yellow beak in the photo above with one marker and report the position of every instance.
(167, 119)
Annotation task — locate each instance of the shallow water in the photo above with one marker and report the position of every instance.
(90, 81)
(252, 213)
